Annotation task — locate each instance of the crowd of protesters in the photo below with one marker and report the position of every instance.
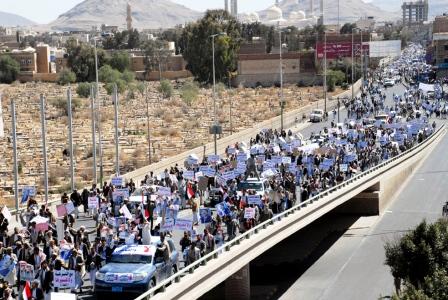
(289, 168)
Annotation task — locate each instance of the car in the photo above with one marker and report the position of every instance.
(135, 269)
(389, 83)
(259, 186)
(317, 115)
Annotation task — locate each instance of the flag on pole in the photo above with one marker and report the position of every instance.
(25, 195)
(190, 192)
(26, 294)
(6, 213)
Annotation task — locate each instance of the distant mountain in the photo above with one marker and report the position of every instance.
(436, 7)
(151, 14)
(10, 20)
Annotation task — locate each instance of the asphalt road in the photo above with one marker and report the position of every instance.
(353, 268)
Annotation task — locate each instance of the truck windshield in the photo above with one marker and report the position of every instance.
(131, 259)
(257, 186)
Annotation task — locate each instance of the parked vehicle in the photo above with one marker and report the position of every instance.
(317, 115)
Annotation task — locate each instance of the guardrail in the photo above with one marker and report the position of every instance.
(392, 162)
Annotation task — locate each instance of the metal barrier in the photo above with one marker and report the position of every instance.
(390, 163)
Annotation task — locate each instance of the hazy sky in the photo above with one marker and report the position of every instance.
(45, 11)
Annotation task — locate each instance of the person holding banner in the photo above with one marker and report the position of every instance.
(45, 277)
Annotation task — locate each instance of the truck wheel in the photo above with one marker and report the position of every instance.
(152, 284)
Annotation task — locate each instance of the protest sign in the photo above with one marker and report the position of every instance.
(229, 175)
(6, 213)
(183, 225)
(202, 183)
(125, 211)
(28, 191)
(286, 160)
(343, 167)
(231, 150)
(188, 175)
(209, 172)
(70, 207)
(42, 227)
(292, 168)
(254, 199)
(213, 158)
(7, 264)
(26, 271)
(119, 195)
(205, 215)
(117, 181)
(92, 202)
(242, 156)
(167, 226)
(249, 213)
(260, 159)
(61, 211)
(64, 279)
(276, 159)
(164, 191)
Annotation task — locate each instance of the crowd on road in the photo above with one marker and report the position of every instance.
(224, 195)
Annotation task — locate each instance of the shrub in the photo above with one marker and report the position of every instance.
(189, 92)
(83, 89)
(166, 88)
(66, 77)
(9, 69)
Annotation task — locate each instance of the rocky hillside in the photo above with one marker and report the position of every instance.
(145, 13)
(9, 20)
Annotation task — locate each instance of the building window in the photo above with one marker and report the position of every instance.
(445, 60)
(446, 47)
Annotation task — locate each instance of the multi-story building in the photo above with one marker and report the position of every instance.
(440, 45)
(415, 12)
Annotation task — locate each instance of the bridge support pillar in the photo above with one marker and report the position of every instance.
(237, 286)
(366, 203)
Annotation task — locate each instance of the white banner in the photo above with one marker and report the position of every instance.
(64, 279)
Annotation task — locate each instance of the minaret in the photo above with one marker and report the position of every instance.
(129, 17)
(311, 8)
(234, 8)
(226, 5)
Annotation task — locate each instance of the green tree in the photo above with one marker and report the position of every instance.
(9, 69)
(189, 92)
(334, 77)
(108, 74)
(419, 258)
(111, 76)
(156, 56)
(166, 88)
(81, 59)
(133, 39)
(198, 51)
(83, 89)
(120, 60)
(347, 28)
(66, 77)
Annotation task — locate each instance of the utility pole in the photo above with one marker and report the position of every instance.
(14, 147)
(147, 124)
(281, 77)
(117, 163)
(325, 72)
(44, 145)
(215, 129)
(92, 104)
(362, 63)
(70, 138)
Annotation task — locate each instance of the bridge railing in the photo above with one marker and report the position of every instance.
(190, 269)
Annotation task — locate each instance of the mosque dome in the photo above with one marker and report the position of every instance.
(274, 13)
(297, 15)
(254, 17)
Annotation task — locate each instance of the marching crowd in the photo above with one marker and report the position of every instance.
(289, 168)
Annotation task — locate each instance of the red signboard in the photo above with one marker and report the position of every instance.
(339, 50)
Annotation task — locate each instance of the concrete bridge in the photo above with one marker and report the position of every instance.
(367, 193)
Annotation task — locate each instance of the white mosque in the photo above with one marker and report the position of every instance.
(294, 17)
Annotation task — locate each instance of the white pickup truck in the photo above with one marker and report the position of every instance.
(317, 115)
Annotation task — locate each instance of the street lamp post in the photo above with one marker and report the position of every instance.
(282, 103)
(215, 129)
(353, 71)
(100, 141)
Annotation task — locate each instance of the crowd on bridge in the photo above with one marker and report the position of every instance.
(225, 195)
